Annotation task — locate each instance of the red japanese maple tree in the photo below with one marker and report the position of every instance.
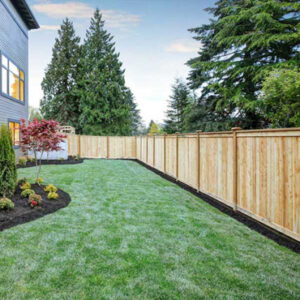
(40, 137)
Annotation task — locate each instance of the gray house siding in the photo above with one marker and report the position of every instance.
(14, 44)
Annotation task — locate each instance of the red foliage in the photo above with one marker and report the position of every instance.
(40, 136)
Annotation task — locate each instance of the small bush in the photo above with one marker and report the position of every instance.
(6, 204)
(35, 200)
(22, 181)
(51, 188)
(52, 196)
(39, 180)
(31, 159)
(25, 186)
(61, 159)
(77, 157)
(22, 161)
(27, 193)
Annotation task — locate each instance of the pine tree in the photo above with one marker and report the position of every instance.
(106, 102)
(244, 41)
(61, 101)
(8, 170)
(179, 100)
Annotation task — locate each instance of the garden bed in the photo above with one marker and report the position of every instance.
(70, 161)
(23, 212)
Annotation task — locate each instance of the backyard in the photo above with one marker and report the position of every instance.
(128, 233)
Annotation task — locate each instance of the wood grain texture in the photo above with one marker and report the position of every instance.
(257, 169)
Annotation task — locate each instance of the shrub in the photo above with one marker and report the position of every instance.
(35, 200)
(61, 159)
(31, 159)
(8, 169)
(39, 180)
(25, 186)
(51, 188)
(22, 181)
(26, 193)
(22, 161)
(6, 204)
(52, 196)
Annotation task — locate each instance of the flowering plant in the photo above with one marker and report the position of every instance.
(35, 200)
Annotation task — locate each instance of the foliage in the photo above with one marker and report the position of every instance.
(39, 180)
(26, 193)
(25, 186)
(155, 128)
(52, 196)
(50, 188)
(61, 100)
(31, 159)
(34, 113)
(22, 161)
(8, 170)
(39, 137)
(181, 97)
(22, 181)
(107, 105)
(6, 204)
(35, 200)
(281, 97)
(240, 44)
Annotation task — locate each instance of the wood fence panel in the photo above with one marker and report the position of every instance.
(256, 172)
(159, 152)
(187, 160)
(171, 155)
(268, 180)
(150, 151)
(216, 167)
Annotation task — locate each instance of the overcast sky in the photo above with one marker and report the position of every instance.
(151, 35)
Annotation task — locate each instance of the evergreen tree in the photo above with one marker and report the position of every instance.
(8, 170)
(243, 41)
(155, 128)
(136, 120)
(179, 100)
(106, 103)
(61, 101)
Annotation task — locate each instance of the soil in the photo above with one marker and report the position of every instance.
(23, 213)
(70, 161)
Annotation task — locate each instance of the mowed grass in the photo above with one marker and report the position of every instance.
(129, 234)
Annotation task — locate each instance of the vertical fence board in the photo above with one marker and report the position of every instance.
(266, 167)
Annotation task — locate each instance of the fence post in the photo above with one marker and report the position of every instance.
(177, 159)
(141, 148)
(79, 146)
(107, 149)
(154, 137)
(165, 152)
(234, 179)
(198, 159)
(147, 148)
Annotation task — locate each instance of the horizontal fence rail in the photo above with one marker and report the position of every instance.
(256, 172)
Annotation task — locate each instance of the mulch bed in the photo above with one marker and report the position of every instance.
(70, 161)
(23, 213)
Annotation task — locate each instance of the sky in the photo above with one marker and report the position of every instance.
(151, 36)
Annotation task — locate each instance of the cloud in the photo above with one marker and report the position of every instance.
(80, 10)
(183, 47)
(49, 27)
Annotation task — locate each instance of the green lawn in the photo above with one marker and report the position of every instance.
(129, 234)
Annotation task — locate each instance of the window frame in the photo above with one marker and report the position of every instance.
(8, 77)
(18, 122)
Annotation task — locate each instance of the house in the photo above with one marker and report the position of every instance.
(16, 19)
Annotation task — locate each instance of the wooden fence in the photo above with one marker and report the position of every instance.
(256, 172)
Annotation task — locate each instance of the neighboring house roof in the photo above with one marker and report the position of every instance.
(26, 14)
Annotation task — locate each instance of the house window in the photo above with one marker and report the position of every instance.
(12, 79)
(14, 128)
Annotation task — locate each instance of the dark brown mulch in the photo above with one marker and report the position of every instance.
(70, 161)
(23, 213)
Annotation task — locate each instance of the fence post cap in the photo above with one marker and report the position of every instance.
(199, 131)
(236, 128)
